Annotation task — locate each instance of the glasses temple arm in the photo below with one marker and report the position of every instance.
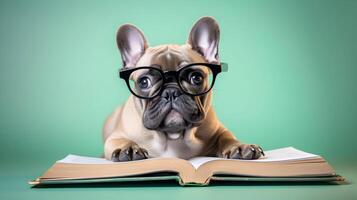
(224, 67)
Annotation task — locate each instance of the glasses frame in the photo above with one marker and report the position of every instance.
(215, 68)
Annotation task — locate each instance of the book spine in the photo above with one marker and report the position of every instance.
(193, 178)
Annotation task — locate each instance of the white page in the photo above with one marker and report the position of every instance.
(75, 159)
(282, 154)
(288, 153)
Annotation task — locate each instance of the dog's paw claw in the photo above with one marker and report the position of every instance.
(130, 153)
(244, 151)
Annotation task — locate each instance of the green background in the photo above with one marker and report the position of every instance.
(291, 82)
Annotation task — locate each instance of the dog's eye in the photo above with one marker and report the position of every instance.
(144, 82)
(196, 78)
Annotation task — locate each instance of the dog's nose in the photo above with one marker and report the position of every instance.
(171, 93)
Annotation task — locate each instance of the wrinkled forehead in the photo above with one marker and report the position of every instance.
(169, 57)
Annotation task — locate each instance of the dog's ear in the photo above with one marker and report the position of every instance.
(131, 43)
(204, 38)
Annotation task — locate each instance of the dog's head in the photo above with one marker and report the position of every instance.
(173, 110)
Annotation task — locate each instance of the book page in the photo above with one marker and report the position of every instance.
(282, 154)
(276, 155)
(75, 159)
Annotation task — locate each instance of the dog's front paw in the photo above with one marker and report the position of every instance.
(129, 153)
(243, 151)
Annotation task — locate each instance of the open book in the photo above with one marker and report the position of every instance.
(285, 164)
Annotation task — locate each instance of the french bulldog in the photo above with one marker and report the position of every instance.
(173, 123)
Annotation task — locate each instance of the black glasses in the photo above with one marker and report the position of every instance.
(194, 79)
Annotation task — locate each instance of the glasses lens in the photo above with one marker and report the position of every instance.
(196, 79)
(146, 82)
